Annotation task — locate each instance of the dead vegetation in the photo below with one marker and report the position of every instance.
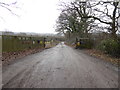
(103, 56)
(8, 57)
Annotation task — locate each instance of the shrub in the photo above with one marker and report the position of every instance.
(110, 46)
(87, 43)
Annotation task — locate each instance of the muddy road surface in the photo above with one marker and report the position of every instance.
(60, 67)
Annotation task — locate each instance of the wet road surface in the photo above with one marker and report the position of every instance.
(60, 67)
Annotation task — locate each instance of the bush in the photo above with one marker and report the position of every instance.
(86, 44)
(110, 46)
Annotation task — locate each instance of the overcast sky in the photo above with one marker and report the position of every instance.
(35, 16)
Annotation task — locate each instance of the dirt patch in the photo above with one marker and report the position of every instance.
(103, 56)
(8, 57)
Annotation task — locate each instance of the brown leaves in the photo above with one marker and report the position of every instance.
(103, 56)
(8, 57)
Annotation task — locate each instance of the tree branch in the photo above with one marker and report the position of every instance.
(97, 19)
(7, 6)
(9, 10)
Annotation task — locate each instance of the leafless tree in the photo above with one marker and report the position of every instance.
(10, 7)
(106, 15)
(71, 20)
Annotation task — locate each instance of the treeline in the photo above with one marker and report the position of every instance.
(96, 20)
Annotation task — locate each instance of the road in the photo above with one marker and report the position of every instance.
(60, 67)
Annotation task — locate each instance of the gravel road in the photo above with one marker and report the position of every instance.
(60, 67)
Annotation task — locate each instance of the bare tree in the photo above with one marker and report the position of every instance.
(82, 16)
(111, 18)
(9, 7)
(71, 19)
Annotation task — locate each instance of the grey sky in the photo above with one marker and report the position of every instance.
(35, 16)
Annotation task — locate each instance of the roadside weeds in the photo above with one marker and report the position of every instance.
(103, 56)
(8, 57)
